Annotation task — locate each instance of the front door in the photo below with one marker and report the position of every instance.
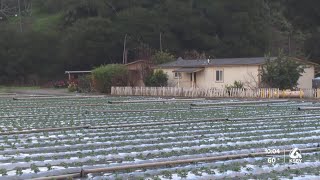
(193, 79)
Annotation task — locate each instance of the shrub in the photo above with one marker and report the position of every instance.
(72, 87)
(157, 79)
(84, 84)
(236, 84)
(109, 75)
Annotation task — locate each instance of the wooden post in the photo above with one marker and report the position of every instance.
(124, 49)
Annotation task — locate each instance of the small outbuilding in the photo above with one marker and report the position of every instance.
(138, 70)
(73, 75)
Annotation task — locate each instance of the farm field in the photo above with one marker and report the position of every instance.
(110, 138)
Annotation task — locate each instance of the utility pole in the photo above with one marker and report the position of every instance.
(20, 16)
(124, 49)
(289, 44)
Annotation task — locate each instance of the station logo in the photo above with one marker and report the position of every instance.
(295, 156)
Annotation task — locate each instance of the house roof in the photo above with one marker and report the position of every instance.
(223, 62)
(305, 61)
(215, 62)
(188, 70)
(76, 72)
(138, 61)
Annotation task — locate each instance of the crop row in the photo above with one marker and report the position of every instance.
(236, 128)
(152, 151)
(213, 137)
(70, 120)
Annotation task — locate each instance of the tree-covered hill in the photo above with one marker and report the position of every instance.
(51, 36)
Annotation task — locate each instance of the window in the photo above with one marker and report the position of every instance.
(177, 75)
(219, 76)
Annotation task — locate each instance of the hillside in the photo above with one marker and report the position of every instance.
(81, 34)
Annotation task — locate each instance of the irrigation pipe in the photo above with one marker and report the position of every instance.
(154, 101)
(9, 94)
(274, 117)
(25, 95)
(36, 115)
(59, 97)
(308, 108)
(61, 177)
(244, 105)
(50, 106)
(147, 110)
(185, 161)
(156, 123)
(236, 103)
(44, 130)
(209, 107)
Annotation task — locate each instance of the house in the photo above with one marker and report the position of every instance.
(218, 73)
(138, 70)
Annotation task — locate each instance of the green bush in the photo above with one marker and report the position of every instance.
(236, 84)
(84, 84)
(157, 79)
(109, 75)
(72, 87)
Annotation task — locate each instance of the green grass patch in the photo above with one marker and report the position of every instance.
(7, 89)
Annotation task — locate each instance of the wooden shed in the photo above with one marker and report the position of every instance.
(138, 70)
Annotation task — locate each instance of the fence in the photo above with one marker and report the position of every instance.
(196, 92)
(310, 93)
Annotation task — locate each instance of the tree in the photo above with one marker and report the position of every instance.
(91, 42)
(194, 55)
(312, 46)
(109, 75)
(157, 79)
(281, 72)
(82, 34)
(161, 57)
(28, 57)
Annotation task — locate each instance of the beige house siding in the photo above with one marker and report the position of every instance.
(244, 73)
(207, 77)
(305, 80)
(184, 81)
(247, 74)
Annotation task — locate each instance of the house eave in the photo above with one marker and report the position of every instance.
(211, 65)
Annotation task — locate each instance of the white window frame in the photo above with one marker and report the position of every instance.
(177, 75)
(221, 75)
